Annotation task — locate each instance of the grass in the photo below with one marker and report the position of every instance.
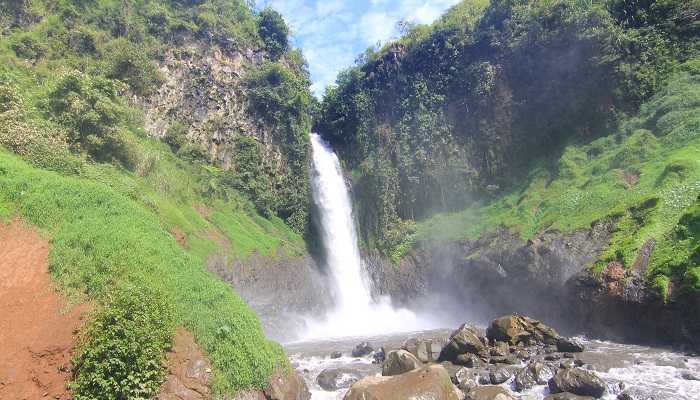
(102, 238)
(644, 178)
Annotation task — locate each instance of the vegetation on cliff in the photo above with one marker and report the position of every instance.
(133, 219)
(525, 114)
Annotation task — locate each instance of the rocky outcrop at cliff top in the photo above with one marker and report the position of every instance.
(431, 382)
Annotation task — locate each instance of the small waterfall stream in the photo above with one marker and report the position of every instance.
(355, 312)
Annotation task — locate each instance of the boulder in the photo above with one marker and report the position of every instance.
(569, 345)
(431, 382)
(465, 379)
(332, 379)
(535, 373)
(336, 354)
(567, 396)
(489, 393)
(577, 381)
(287, 385)
(516, 329)
(500, 374)
(468, 360)
(362, 349)
(465, 340)
(426, 350)
(398, 362)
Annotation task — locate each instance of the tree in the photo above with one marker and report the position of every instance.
(273, 31)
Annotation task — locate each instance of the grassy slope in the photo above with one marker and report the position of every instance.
(102, 236)
(644, 177)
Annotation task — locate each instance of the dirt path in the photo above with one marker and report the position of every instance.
(37, 331)
(189, 372)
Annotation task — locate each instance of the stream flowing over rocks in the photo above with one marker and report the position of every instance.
(514, 357)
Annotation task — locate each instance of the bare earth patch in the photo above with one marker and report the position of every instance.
(189, 372)
(37, 330)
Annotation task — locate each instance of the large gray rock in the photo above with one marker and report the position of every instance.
(577, 381)
(465, 340)
(489, 393)
(362, 349)
(431, 382)
(398, 362)
(516, 329)
(332, 379)
(535, 373)
(569, 345)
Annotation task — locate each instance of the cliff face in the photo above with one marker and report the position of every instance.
(545, 277)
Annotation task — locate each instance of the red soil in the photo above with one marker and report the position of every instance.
(37, 330)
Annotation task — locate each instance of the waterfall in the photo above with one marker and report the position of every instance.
(355, 312)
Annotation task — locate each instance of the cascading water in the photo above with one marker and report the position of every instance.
(355, 313)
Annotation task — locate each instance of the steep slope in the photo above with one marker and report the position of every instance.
(155, 141)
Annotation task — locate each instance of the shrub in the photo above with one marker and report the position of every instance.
(273, 31)
(176, 136)
(132, 65)
(26, 46)
(122, 354)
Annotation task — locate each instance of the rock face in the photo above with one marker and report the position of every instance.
(398, 362)
(577, 381)
(489, 393)
(430, 382)
(287, 386)
(567, 345)
(465, 340)
(499, 375)
(517, 329)
(336, 378)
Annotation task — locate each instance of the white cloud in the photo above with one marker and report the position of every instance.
(376, 27)
(332, 33)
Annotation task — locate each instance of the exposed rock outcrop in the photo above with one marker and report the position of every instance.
(577, 381)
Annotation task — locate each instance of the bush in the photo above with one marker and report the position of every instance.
(26, 46)
(176, 136)
(132, 65)
(122, 353)
(273, 31)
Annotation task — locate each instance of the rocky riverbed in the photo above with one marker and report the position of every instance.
(515, 357)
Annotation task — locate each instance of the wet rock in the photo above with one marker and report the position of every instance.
(624, 396)
(465, 379)
(489, 393)
(552, 357)
(426, 350)
(398, 362)
(567, 363)
(362, 349)
(535, 373)
(500, 349)
(379, 356)
(499, 375)
(577, 381)
(569, 345)
(336, 354)
(431, 382)
(332, 379)
(516, 329)
(567, 396)
(579, 363)
(465, 340)
(690, 376)
(469, 361)
(285, 385)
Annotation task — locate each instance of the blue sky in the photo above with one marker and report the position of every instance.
(332, 33)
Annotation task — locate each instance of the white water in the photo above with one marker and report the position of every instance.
(355, 312)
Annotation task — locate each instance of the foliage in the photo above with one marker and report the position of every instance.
(108, 231)
(280, 96)
(455, 111)
(273, 31)
(644, 178)
(122, 354)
